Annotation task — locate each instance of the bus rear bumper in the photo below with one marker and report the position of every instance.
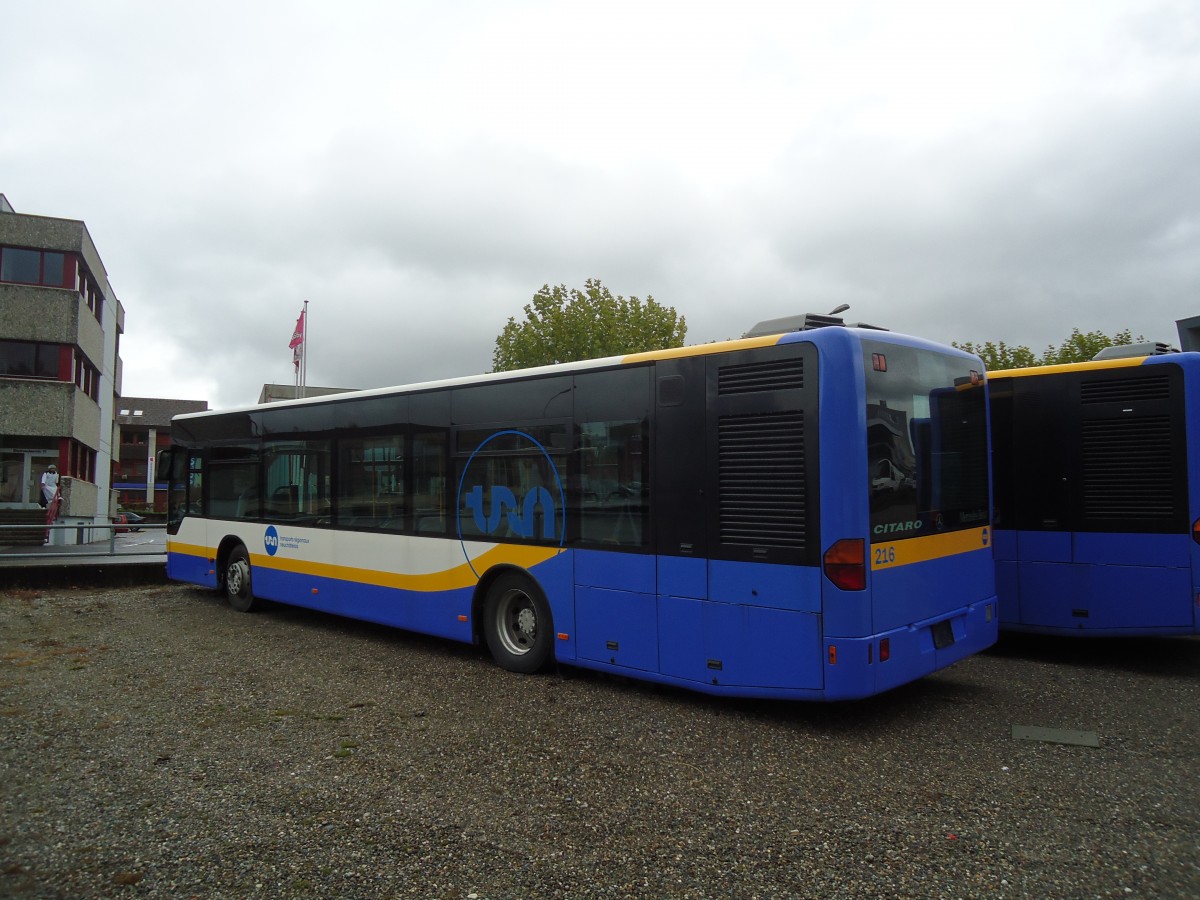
(860, 667)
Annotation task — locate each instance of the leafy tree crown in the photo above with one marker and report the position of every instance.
(564, 324)
(1079, 347)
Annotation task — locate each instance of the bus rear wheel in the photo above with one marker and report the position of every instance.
(237, 580)
(517, 626)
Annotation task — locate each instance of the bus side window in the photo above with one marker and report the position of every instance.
(429, 482)
(297, 480)
(612, 482)
(371, 490)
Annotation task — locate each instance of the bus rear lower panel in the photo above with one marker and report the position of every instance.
(1099, 585)
(866, 666)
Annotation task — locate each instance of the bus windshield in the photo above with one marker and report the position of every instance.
(926, 442)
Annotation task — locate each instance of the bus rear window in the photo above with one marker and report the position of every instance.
(927, 453)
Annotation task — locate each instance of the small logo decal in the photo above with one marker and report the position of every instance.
(271, 540)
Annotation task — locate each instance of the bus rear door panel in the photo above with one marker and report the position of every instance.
(686, 636)
(746, 426)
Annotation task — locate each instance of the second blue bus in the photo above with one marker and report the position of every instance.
(1097, 495)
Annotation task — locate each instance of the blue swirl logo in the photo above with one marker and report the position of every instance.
(533, 508)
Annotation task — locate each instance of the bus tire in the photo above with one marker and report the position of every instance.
(517, 624)
(237, 580)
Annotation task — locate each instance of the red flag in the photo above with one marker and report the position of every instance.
(298, 334)
(297, 343)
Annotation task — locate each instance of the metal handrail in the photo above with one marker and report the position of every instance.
(84, 547)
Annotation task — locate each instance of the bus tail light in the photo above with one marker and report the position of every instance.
(846, 564)
(885, 649)
(1196, 531)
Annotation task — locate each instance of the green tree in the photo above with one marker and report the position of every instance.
(997, 356)
(564, 325)
(1079, 347)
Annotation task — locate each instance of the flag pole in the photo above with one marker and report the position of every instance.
(297, 349)
(300, 352)
(304, 353)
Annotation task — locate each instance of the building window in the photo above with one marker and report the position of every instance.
(87, 377)
(52, 269)
(21, 266)
(81, 462)
(28, 359)
(32, 266)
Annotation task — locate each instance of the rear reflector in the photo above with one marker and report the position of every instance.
(846, 564)
(833, 654)
(885, 649)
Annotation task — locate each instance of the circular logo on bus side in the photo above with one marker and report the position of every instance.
(510, 488)
(271, 540)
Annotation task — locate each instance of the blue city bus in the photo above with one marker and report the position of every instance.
(799, 515)
(1096, 503)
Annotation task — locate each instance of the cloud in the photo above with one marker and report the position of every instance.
(417, 171)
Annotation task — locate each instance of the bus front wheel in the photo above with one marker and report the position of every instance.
(237, 580)
(517, 626)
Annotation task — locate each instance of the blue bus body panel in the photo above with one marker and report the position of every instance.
(435, 613)
(191, 569)
(1044, 546)
(1155, 550)
(916, 593)
(712, 646)
(680, 576)
(619, 628)
(1008, 591)
(754, 584)
(1104, 585)
(615, 571)
(1004, 544)
(913, 654)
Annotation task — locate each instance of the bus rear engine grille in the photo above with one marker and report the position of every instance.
(760, 468)
(774, 375)
(1126, 390)
(1127, 468)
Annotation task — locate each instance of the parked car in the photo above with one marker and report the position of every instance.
(128, 521)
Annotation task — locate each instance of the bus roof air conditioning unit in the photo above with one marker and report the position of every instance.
(806, 322)
(1145, 348)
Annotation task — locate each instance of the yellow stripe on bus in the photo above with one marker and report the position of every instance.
(1091, 365)
(933, 546)
(458, 577)
(190, 549)
(703, 349)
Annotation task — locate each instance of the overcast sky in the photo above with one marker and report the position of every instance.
(417, 170)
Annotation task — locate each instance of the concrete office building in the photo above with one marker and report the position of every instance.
(60, 365)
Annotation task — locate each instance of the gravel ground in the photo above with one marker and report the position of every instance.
(158, 744)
